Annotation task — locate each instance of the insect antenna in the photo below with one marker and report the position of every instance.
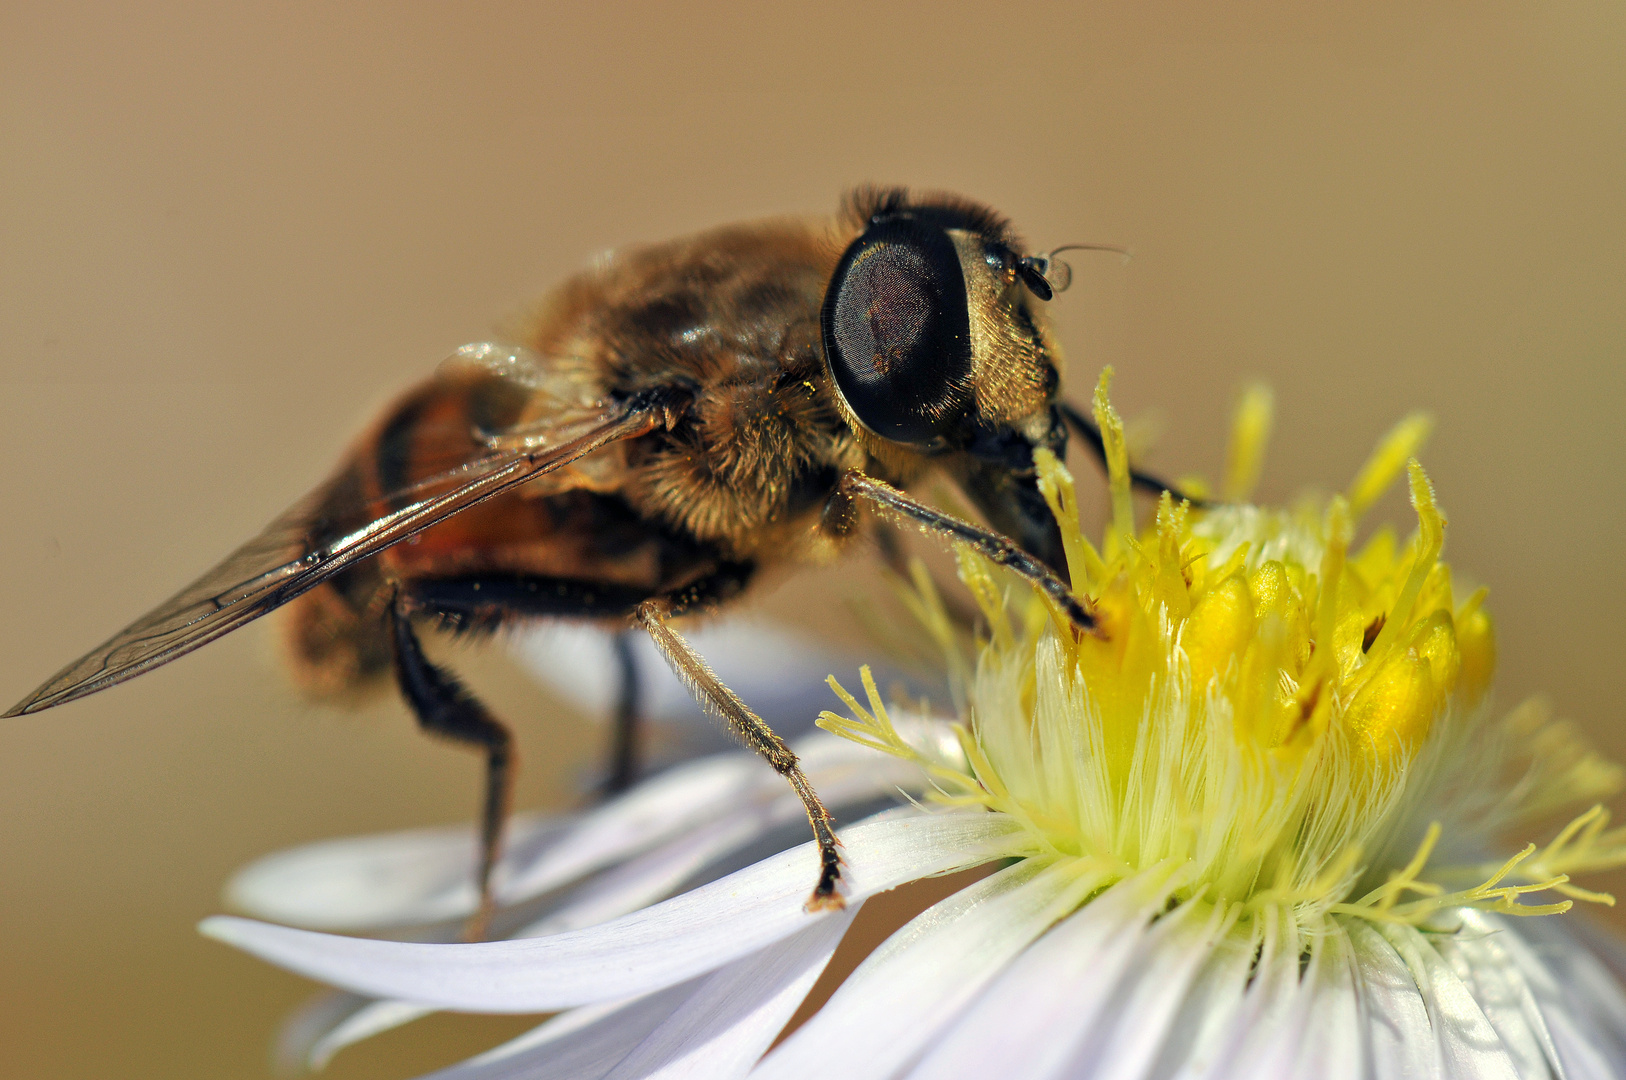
(1047, 275)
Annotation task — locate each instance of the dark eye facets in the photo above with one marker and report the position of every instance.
(897, 331)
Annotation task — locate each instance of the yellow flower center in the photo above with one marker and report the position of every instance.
(1272, 715)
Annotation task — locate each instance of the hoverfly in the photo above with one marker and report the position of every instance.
(679, 418)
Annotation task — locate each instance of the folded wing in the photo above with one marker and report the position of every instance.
(289, 557)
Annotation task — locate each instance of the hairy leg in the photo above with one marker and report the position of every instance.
(750, 729)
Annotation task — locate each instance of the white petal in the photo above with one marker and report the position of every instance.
(1167, 960)
(734, 1014)
(583, 1044)
(655, 947)
(306, 1027)
(652, 876)
(370, 882)
(642, 881)
(1468, 1044)
(375, 1018)
(1584, 1057)
(656, 810)
(1479, 957)
(1601, 942)
(689, 795)
(1201, 1034)
(712, 1027)
(780, 673)
(893, 1005)
(1334, 1044)
(1263, 1040)
(423, 876)
(1320, 1033)
(1035, 1013)
(1581, 1002)
(1400, 1042)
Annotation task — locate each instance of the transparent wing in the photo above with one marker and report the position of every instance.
(290, 557)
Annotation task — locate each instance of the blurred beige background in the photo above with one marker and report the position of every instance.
(226, 235)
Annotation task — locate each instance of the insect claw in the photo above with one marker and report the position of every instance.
(824, 901)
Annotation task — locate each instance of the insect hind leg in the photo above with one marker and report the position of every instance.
(480, 603)
(444, 707)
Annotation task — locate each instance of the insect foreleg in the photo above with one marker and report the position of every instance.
(750, 729)
(445, 708)
(990, 545)
(1086, 429)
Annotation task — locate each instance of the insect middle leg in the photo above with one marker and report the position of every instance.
(624, 745)
(1091, 434)
(445, 708)
(716, 698)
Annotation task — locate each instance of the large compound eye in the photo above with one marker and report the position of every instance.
(897, 332)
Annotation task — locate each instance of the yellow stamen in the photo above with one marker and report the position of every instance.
(1117, 454)
(1263, 706)
(1430, 539)
(1398, 446)
(1250, 432)
(1084, 565)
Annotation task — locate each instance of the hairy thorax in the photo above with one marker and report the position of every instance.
(734, 315)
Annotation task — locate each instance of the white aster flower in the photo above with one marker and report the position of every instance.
(1242, 831)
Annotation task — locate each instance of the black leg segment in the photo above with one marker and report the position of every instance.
(480, 603)
(445, 708)
(624, 748)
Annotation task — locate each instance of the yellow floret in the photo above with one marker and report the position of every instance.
(1261, 701)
